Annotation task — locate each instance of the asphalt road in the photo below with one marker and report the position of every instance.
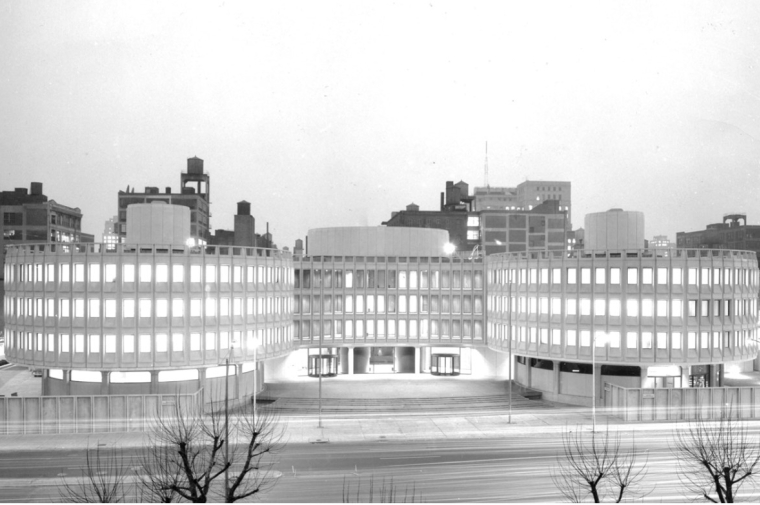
(512, 468)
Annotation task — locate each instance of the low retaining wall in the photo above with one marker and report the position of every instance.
(88, 414)
(678, 404)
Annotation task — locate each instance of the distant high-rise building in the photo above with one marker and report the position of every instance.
(194, 194)
(110, 236)
(526, 196)
(661, 242)
(30, 217)
(491, 230)
(244, 234)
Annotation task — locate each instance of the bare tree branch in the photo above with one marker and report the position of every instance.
(103, 479)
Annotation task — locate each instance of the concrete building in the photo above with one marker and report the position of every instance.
(110, 237)
(244, 233)
(525, 196)
(661, 242)
(732, 233)
(540, 226)
(195, 190)
(30, 217)
(156, 317)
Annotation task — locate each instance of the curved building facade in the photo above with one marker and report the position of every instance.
(651, 318)
(146, 318)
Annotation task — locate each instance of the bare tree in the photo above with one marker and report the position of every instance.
(190, 458)
(104, 479)
(594, 464)
(716, 458)
(386, 493)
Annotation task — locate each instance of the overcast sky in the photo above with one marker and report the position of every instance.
(338, 113)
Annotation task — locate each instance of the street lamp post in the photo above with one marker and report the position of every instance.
(509, 337)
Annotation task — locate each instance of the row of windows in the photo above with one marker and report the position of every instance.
(147, 272)
(631, 339)
(645, 276)
(391, 279)
(146, 307)
(390, 328)
(647, 307)
(146, 342)
(412, 304)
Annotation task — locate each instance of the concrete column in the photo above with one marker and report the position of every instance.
(105, 383)
(646, 382)
(598, 383)
(238, 377)
(45, 382)
(202, 384)
(154, 382)
(528, 373)
(67, 382)
(350, 361)
(417, 358)
(685, 376)
(555, 382)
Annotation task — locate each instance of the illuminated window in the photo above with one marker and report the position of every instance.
(94, 307)
(178, 342)
(677, 308)
(571, 338)
(51, 342)
(631, 339)
(662, 276)
(633, 276)
(571, 275)
(632, 308)
(94, 344)
(79, 343)
(692, 339)
(65, 272)
(210, 307)
(210, 341)
(162, 307)
(614, 339)
(237, 307)
(585, 338)
(473, 221)
(224, 273)
(647, 307)
(64, 342)
(615, 276)
(178, 273)
(128, 273)
(677, 276)
(162, 342)
(662, 308)
(585, 307)
(145, 307)
(94, 273)
(599, 276)
(646, 276)
(572, 307)
(210, 273)
(599, 306)
(162, 273)
(224, 307)
(646, 340)
(178, 307)
(195, 273)
(78, 272)
(110, 344)
(110, 276)
(145, 272)
(224, 340)
(675, 340)
(195, 341)
(65, 308)
(237, 274)
(79, 307)
(145, 342)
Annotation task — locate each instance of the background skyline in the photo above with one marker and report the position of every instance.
(338, 113)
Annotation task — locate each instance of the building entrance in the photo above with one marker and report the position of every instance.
(444, 364)
(327, 364)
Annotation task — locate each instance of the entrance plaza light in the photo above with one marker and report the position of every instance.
(603, 339)
(449, 248)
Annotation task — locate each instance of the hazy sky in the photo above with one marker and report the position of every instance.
(338, 113)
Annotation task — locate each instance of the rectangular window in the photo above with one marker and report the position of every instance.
(65, 272)
(632, 308)
(675, 340)
(94, 273)
(195, 273)
(599, 306)
(662, 340)
(556, 276)
(162, 307)
(110, 276)
(64, 342)
(646, 276)
(79, 343)
(677, 308)
(237, 274)
(145, 307)
(615, 276)
(178, 307)
(79, 307)
(705, 277)
(692, 274)
(544, 276)
(585, 306)
(145, 272)
(78, 272)
(677, 276)
(662, 276)
(692, 308)
(178, 341)
(128, 273)
(195, 341)
(94, 344)
(128, 344)
(178, 273)
(145, 343)
(210, 341)
(585, 338)
(646, 340)
(224, 307)
(662, 308)
(585, 275)
(556, 306)
(571, 338)
(571, 275)
(633, 276)
(615, 308)
(647, 307)
(572, 307)
(614, 339)
(210, 307)
(162, 273)
(65, 307)
(162, 343)
(210, 274)
(110, 344)
(224, 273)
(631, 339)
(599, 276)
(94, 308)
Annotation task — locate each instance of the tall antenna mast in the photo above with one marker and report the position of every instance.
(486, 167)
